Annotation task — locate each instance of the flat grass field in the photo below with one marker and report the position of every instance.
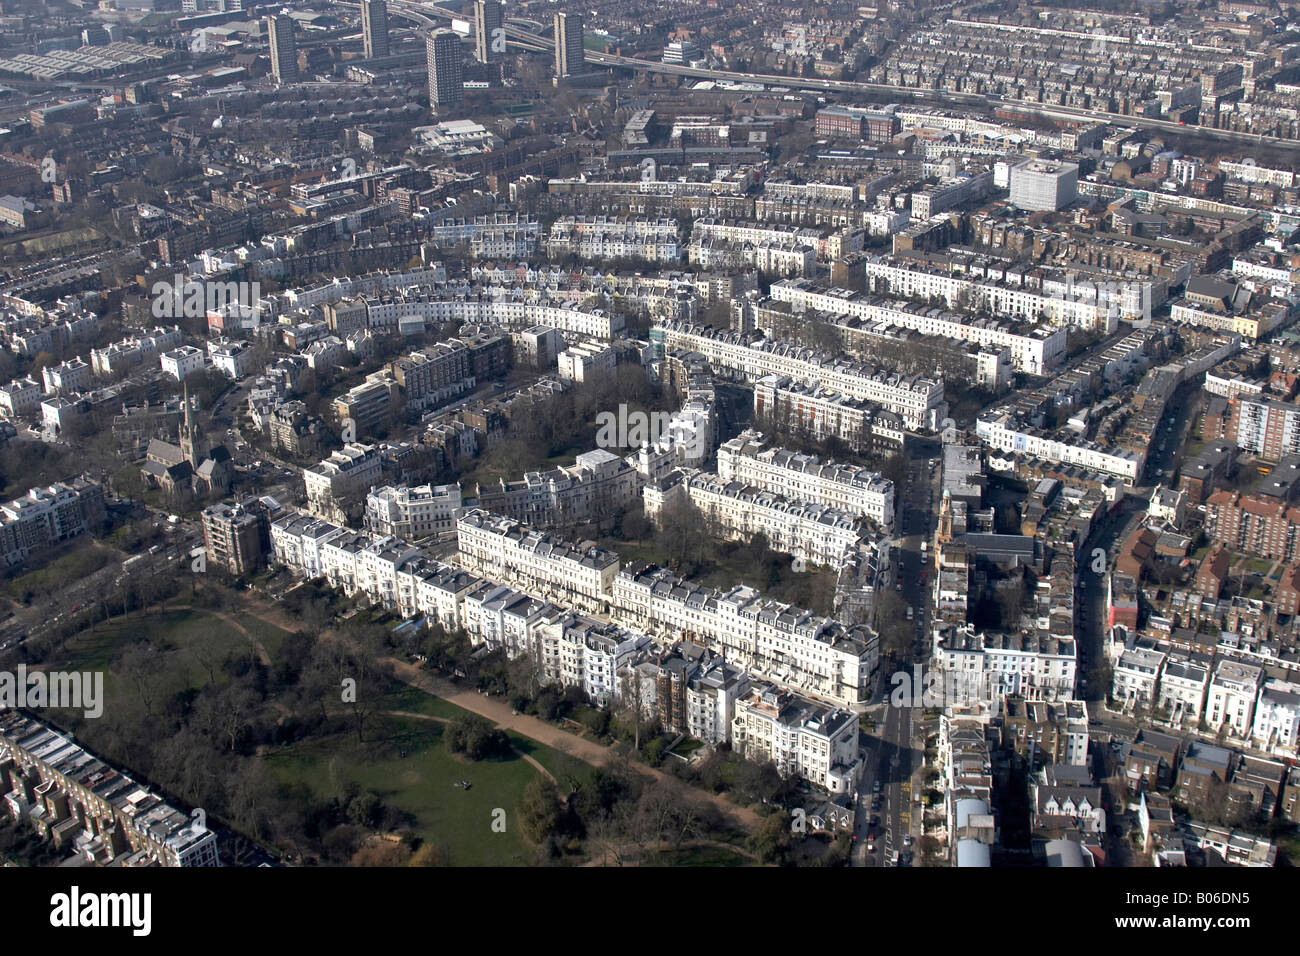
(457, 821)
(420, 784)
(186, 634)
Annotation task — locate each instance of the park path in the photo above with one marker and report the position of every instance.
(502, 715)
(262, 655)
(258, 646)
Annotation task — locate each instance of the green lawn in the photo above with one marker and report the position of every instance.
(699, 856)
(422, 784)
(178, 631)
(416, 701)
(688, 747)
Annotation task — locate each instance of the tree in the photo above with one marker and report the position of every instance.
(685, 532)
(821, 335)
(758, 781)
(631, 703)
(475, 738)
(237, 706)
(669, 814)
(383, 853)
(770, 841)
(142, 666)
(539, 810)
(429, 855)
(249, 793)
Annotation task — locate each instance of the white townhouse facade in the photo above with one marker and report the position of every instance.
(504, 619)
(800, 736)
(613, 237)
(1275, 721)
(132, 351)
(232, 359)
(1001, 429)
(296, 541)
(711, 698)
(747, 458)
(384, 568)
(1231, 386)
(918, 400)
(1276, 727)
(357, 562)
(20, 397)
(984, 668)
(437, 590)
(1136, 676)
(815, 656)
(346, 473)
(500, 235)
(414, 513)
(1234, 688)
(72, 375)
(182, 361)
(598, 483)
(1249, 171)
(1000, 298)
(580, 651)
(754, 233)
(510, 552)
(786, 258)
(1278, 276)
(1035, 347)
(1182, 690)
(412, 313)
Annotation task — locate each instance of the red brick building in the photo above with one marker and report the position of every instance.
(1121, 601)
(1286, 596)
(848, 122)
(1136, 553)
(1212, 573)
(1264, 527)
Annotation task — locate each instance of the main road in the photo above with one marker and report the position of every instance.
(894, 755)
(517, 35)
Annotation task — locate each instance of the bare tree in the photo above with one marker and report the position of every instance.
(141, 665)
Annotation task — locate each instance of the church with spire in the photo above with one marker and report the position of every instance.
(194, 466)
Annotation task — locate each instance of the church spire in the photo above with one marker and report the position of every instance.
(193, 447)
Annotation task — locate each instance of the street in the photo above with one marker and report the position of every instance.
(894, 757)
